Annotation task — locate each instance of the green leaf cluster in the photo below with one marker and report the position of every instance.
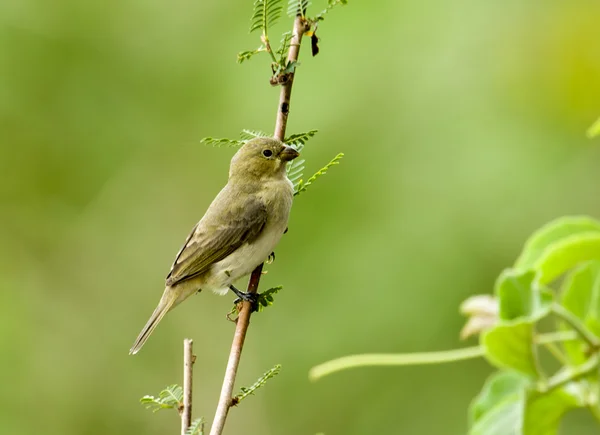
(330, 5)
(170, 397)
(265, 299)
(295, 168)
(297, 7)
(196, 428)
(264, 15)
(556, 276)
(260, 382)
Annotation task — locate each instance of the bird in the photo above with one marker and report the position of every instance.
(239, 230)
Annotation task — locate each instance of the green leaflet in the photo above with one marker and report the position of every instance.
(266, 13)
(510, 346)
(581, 296)
(543, 240)
(522, 302)
(520, 296)
(508, 405)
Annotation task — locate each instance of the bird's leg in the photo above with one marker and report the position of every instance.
(242, 296)
(270, 258)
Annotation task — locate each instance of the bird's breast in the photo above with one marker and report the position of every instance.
(278, 199)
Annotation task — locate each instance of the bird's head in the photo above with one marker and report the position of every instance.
(261, 157)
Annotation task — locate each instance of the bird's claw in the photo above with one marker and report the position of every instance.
(248, 297)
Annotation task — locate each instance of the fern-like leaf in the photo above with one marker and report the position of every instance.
(297, 7)
(247, 135)
(221, 142)
(246, 55)
(245, 392)
(170, 397)
(196, 428)
(284, 46)
(330, 5)
(266, 13)
(265, 299)
(302, 186)
(295, 171)
(298, 140)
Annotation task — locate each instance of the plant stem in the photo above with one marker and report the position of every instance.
(243, 320)
(577, 325)
(422, 358)
(241, 327)
(283, 110)
(402, 359)
(572, 374)
(556, 353)
(188, 366)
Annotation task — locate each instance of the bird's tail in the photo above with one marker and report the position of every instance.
(167, 301)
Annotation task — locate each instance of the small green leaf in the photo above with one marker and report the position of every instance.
(551, 233)
(520, 296)
(284, 46)
(298, 140)
(301, 186)
(170, 397)
(330, 5)
(567, 253)
(510, 345)
(265, 15)
(499, 408)
(196, 428)
(544, 411)
(246, 55)
(297, 7)
(581, 296)
(221, 142)
(247, 135)
(508, 405)
(266, 298)
(245, 392)
(594, 130)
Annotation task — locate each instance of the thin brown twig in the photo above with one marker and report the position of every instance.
(188, 365)
(243, 320)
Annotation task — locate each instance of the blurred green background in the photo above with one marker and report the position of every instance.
(463, 125)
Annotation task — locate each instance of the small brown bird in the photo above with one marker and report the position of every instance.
(238, 232)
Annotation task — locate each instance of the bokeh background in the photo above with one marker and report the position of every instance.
(463, 125)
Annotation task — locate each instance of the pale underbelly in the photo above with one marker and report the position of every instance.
(242, 261)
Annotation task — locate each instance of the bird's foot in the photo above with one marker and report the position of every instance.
(271, 258)
(248, 297)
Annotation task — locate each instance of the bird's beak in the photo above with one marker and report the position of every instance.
(288, 153)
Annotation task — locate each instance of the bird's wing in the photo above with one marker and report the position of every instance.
(211, 240)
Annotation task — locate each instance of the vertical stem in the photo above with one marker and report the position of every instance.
(243, 320)
(188, 365)
(235, 354)
(283, 110)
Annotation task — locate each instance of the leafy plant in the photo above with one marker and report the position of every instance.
(556, 279)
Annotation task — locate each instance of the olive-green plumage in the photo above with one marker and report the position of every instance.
(238, 232)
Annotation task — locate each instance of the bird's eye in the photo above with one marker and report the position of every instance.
(267, 153)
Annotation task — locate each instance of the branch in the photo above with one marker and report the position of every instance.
(188, 365)
(243, 320)
(574, 322)
(419, 358)
(283, 110)
(241, 327)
